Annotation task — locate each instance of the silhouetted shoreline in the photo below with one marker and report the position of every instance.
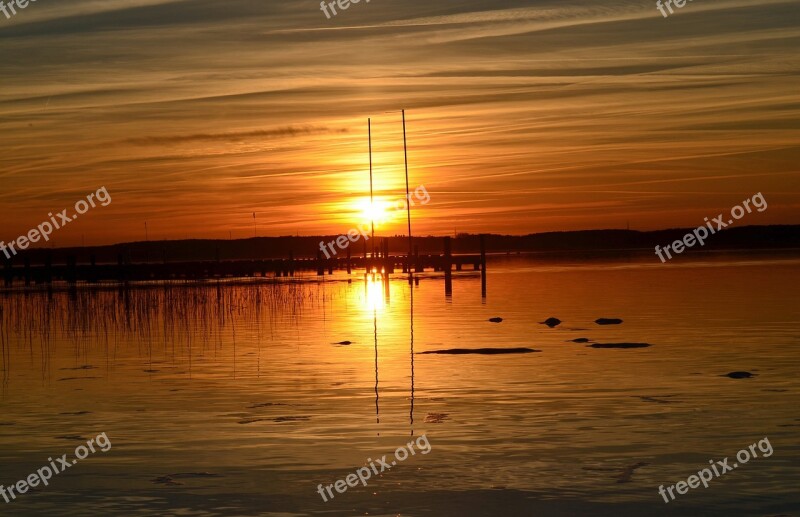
(572, 244)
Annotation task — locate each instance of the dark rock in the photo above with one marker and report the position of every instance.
(620, 345)
(551, 322)
(627, 472)
(165, 480)
(608, 321)
(657, 400)
(169, 479)
(301, 418)
(344, 343)
(267, 404)
(481, 351)
(740, 375)
(495, 320)
(436, 418)
(251, 420)
(580, 340)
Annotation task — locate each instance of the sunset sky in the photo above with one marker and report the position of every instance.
(522, 116)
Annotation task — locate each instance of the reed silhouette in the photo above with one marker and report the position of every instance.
(145, 317)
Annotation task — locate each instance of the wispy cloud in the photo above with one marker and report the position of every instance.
(522, 117)
(288, 131)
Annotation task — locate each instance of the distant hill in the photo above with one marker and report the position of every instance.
(742, 238)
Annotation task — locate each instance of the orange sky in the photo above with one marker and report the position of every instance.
(522, 117)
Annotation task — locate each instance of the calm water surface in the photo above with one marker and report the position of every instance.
(242, 387)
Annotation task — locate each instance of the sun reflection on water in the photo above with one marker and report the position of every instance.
(375, 292)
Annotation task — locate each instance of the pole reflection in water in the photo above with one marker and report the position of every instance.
(375, 326)
(374, 298)
(411, 291)
(377, 300)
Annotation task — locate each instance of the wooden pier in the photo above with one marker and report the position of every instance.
(22, 272)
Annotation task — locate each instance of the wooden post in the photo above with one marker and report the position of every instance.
(483, 265)
(387, 259)
(320, 265)
(446, 265)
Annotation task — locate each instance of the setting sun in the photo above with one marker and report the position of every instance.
(379, 211)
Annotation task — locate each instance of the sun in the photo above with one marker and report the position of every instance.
(377, 211)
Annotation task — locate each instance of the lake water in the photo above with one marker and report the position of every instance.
(231, 399)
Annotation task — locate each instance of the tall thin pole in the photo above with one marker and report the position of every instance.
(408, 196)
(371, 203)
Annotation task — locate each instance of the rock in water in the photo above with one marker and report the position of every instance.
(481, 351)
(627, 472)
(436, 418)
(580, 340)
(552, 322)
(344, 343)
(495, 320)
(739, 375)
(608, 321)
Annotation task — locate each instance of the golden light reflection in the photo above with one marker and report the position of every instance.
(374, 293)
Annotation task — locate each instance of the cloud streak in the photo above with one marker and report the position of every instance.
(522, 116)
(284, 132)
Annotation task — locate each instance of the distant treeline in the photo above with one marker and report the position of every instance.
(746, 237)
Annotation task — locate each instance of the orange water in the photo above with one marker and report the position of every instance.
(244, 382)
